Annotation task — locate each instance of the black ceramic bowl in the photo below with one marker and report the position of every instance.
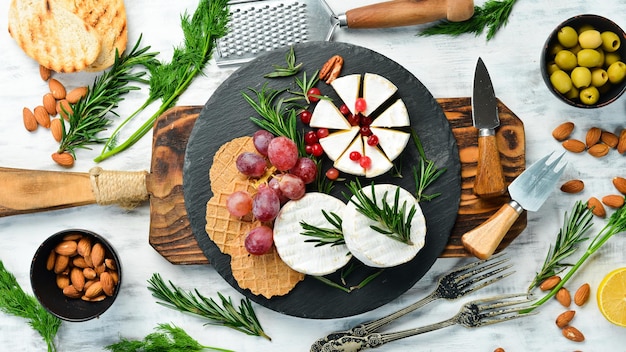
(44, 281)
(609, 93)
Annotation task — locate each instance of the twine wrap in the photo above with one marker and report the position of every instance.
(124, 188)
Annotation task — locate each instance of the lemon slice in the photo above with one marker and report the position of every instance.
(611, 297)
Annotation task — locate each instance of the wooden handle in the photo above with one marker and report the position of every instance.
(489, 177)
(484, 239)
(409, 12)
(29, 191)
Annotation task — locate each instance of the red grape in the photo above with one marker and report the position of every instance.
(305, 116)
(265, 204)
(305, 169)
(259, 240)
(292, 186)
(310, 138)
(239, 203)
(261, 140)
(251, 164)
(313, 94)
(283, 153)
(332, 174)
(360, 105)
(274, 185)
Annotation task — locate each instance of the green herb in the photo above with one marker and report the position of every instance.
(493, 15)
(14, 301)
(345, 272)
(243, 319)
(304, 85)
(323, 236)
(169, 81)
(615, 225)
(286, 71)
(166, 338)
(425, 173)
(89, 115)
(324, 184)
(569, 237)
(393, 217)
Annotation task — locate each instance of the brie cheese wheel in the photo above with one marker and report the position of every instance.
(373, 248)
(327, 115)
(348, 88)
(345, 164)
(291, 244)
(376, 90)
(336, 143)
(392, 142)
(394, 116)
(380, 163)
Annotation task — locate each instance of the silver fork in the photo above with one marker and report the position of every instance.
(454, 284)
(473, 314)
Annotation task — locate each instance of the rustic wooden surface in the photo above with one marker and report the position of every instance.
(170, 230)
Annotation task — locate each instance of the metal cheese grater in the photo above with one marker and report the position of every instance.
(258, 26)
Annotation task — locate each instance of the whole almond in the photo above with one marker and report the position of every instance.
(97, 254)
(499, 349)
(61, 263)
(598, 150)
(110, 264)
(574, 145)
(64, 108)
(56, 128)
(44, 73)
(613, 201)
(64, 159)
(42, 116)
(563, 131)
(57, 89)
(596, 207)
(582, 294)
(51, 259)
(79, 262)
(50, 104)
(593, 136)
(76, 94)
(89, 273)
(115, 276)
(621, 142)
(71, 292)
(62, 281)
(564, 297)
(67, 248)
(573, 334)
(620, 184)
(573, 186)
(84, 246)
(94, 290)
(108, 285)
(94, 299)
(609, 139)
(72, 236)
(564, 318)
(77, 278)
(550, 283)
(91, 282)
(30, 122)
(100, 268)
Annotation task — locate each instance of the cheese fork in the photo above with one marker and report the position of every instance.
(454, 284)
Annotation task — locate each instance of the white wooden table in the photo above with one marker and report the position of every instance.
(446, 66)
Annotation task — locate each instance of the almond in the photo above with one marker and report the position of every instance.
(42, 117)
(51, 259)
(571, 333)
(84, 246)
(621, 142)
(609, 139)
(550, 283)
(62, 281)
(499, 349)
(71, 292)
(57, 89)
(564, 297)
(108, 285)
(79, 262)
(64, 108)
(50, 104)
(56, 128)
(564, 318)
(613, 201)
(596, 207)
(599, 150)
(563, 131)
(89, 273)
(74, 236)
(64, 159)
(67, 248)
(77, 278)
(574, 146)
(110, 264)
(582, 294)
(76, 94)
(44, 73)
(620, 184)
(115, 276)
(573, 186)
(61, 263)
(94, 290)
(593, 136)
(30, 122)
(97, 255)
(94, 299)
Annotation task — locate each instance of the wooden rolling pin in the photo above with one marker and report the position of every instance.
(397, 13)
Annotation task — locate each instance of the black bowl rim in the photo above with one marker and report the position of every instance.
(617, 91)
(95, 309)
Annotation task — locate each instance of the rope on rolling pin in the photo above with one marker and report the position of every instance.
(125, 188)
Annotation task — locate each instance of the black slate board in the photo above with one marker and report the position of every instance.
(226, 116)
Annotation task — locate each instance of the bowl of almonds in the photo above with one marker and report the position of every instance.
(75, 274)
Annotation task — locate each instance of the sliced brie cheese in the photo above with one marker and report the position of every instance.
(394, 116)
(291, 244)
(336, 142)
(376, 90)
(380, 163)
(392, 142)
(343, 163)
(370, 246)
(328, 116)
(348, 88)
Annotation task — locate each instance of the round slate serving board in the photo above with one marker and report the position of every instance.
(226, 116)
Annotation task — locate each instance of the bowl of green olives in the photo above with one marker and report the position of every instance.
(583, 61)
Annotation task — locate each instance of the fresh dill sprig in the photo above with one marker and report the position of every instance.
(394, 217)
(167, 337)
(575, 225)
(169, 80)
(493, 15)
(286, 71)
(425, 173)
(323, 235)
(14, 301)
(243, 319)
(88, 116)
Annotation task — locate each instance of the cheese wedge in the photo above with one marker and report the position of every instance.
(328, 116)
(348, 88)
(336, 143)
(392, 142)
(344, 164)
(370, 246)
(380, 163)
(376, 90)
(291, 245)
(394, 116)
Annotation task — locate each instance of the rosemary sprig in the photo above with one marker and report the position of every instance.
(323, 236)
(304, 84)
(89, 115)
(324, 184)
(286, 71)
(575, 225)
(169, 80)
(243, 319)
(166, 338)
(344, 274)
(425, 173)
(394, 217)
(493, 15)
(14, 301)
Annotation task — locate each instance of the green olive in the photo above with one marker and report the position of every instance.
(616, 72)
(584, 27)
(561, 81)
(599, 77)
(573, 94)
(551, 67)
(554, 49)
(589, 58)
(610, 41)
(567, 36)
(590, 39)
(581, 77)
(589, 95)
(566, 60)
(575, 49)
(610, 58)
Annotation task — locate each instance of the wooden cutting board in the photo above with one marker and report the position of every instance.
(170, 229)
